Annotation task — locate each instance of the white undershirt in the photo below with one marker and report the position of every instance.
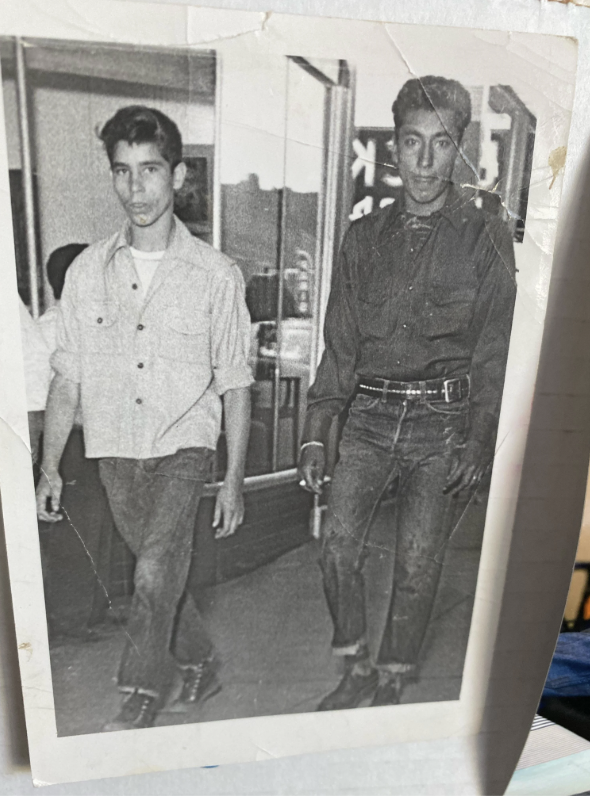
(146, 265)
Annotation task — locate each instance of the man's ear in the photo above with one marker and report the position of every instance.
(179, 176)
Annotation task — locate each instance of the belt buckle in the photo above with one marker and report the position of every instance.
(449, 390)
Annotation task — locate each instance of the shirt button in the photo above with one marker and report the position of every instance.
(99, 320)
(140, 365)
(411, 287)
(140, 326)
(138, 401)
(134, 286)
(405, 325)
(399, 362)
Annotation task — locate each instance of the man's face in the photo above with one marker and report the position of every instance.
(425, 149)
(144, 182)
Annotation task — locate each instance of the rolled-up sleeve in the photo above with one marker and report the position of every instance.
(65, 360)
(230, 333)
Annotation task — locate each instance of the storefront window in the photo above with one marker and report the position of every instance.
(282, 267)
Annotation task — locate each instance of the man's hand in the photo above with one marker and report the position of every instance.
(229, 508)
(312, 467)
(49, 488)
(468, 468)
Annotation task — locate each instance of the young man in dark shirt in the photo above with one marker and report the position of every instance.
(417, 332)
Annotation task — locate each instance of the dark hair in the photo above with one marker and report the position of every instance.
(58, 263)
(433, 93)
(137, 124)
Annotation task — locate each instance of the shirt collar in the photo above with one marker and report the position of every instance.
(452, 210)
(457, 200)
(180, 246)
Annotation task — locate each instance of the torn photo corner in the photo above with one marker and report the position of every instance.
(273, 292)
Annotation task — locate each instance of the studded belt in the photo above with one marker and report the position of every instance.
(447, 390)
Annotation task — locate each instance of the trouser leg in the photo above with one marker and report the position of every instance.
(36, 422)
(168, 490)
(191, 642)
(426, 518)
(362, 473)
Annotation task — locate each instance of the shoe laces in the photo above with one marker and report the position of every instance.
(198, 676)
(143, 708)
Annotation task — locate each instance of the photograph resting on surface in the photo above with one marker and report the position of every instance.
(264, 370)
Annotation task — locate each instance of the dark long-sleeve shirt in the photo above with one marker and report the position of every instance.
(415, 299)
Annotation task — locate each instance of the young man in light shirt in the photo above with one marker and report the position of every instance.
(152, 340)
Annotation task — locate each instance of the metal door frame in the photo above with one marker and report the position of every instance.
(332, 216)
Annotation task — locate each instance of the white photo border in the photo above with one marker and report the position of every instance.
(232, 33)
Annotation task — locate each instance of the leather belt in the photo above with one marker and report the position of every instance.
(447, 390)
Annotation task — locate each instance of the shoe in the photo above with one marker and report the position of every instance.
(389, 691)
(200, 682)
(353, 689)
(138, 712)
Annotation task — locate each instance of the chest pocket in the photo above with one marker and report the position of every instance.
(101, 333)
(185, 334)
(373, 305)
(449, 313)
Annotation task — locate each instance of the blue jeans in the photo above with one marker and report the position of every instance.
(411, 441)
(569, 673)
(154, 504)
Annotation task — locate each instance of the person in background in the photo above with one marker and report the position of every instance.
(36, 356)
(417, 332)
(38, 341)
(57, 265)
(153, 336)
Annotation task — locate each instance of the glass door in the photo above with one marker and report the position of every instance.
(317, 127)
(282, 218)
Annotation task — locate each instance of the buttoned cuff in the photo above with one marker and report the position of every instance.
(231, 378)
(67, 365)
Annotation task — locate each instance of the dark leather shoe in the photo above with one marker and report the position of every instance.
(138, 712)
(200, 682)
(389, 691)
(351, 691)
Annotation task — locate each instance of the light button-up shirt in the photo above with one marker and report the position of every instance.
(152, 369)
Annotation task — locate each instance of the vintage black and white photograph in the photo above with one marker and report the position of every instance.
(267, 301)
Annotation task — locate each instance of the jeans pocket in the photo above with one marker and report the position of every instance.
(455, 409)
(187, 464)
(364, 403)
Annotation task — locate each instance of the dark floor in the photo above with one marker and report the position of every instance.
(272, 632)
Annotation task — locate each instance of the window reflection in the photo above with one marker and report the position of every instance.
(272, 233)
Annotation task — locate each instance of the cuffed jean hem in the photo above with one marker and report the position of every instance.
(398, 668)
(349, 649)
(185, 667)
(129, 689)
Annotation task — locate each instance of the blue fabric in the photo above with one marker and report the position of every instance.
(569, 673)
